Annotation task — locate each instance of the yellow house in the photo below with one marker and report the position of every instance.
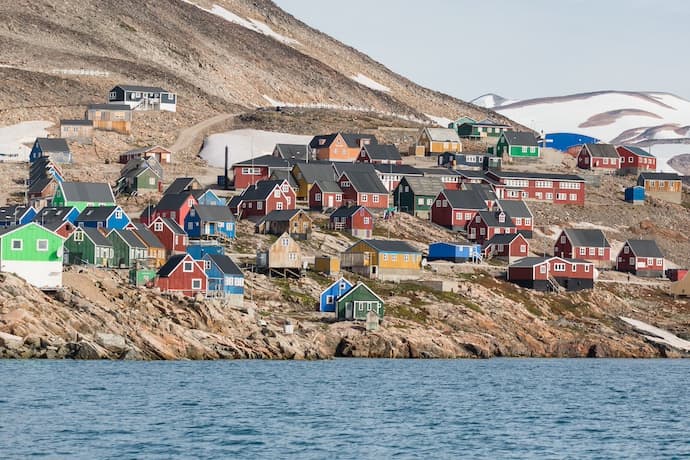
(439, 140)
(307, 174)
(388, 260)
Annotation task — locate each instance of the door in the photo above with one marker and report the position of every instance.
(349, 310)
(330, 201)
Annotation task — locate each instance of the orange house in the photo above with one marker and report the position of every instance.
(340, 146)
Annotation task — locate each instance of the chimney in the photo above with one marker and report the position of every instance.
(227, 179)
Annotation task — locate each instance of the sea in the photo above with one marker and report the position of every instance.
(346, 408)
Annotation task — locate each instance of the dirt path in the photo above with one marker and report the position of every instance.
(187, 136)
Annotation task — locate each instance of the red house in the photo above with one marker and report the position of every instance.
(455, 208)
(451, 179)
(552, 273)
(486, 224)
(520, 214)
(583, 243)
(325, 194)
(602, 157)
(356, 220)
(635, 160)
(168, 232)
(364, 189)
(250, 172)
(552, 188)
(642, 258)
(262, 198)
(174, 206)
(380, 154)
(506, 246)
(182, 274)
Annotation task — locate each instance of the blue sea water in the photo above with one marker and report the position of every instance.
(345, 408)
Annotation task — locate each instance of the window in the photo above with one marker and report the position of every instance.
(523, 248)
(207, 264)
(329, 299)
(158, 227)
(190, 225)
(420, 201)
(345, 184)
(17, 245)
(482, 231)
(188, 267)
(592, 251)
(478, 219)
(279, 206)
(196, 284)
(524, 149)
(288, 200)
(365, 197)
(528, 221)
(587, 267)
(407, 258)
(285, 242)
(518, 221)
(190, 202)
(285, 187)
(394, 257)
(338, 198)
(559, 267)
(563, 239)
(583, 251)
(292, 256)
(317, 196)
(375, 198)
(562, 196)
(601, 251)
(366, 221)
(549, 196)
(118, 214)
(152, 181)
(650, 261)
(542, 269)
(385, 257)
(468, 216)
(659, 261)
(573, 197)
(276, 193)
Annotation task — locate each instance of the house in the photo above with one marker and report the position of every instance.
(635, 160)
(83, 194)
(484, 191)
(88, 246)
(664, 186)
(44, 176)
(161, 154)
(454, 252)
(199, 248)
(297, 152)
(507, 246)
(127, 248)
(451, 179)
(486, 224)
(599, 157)
(387, 260)
(481, 129)
(182, 185)
(325, 194)
(55, 148)
(340, 146)
(110, 117)
(171, 234)
(390, 175)
(552, 273)
(249, 172)
(357, 302)
(355, 220)
(138, 97)
(520, 214)
(156, 250)
(468, 161)
(182, 275)
(77, 130)
(551, 188)
(641, 258)
(326, 264)
(364, 189)
(583, 243)
(462, 120)
(225, 279)
(307, 174)
(516, 144)
(380, 154)
(263, 197)
(210, 222)
(283, 257)
(58, 220)
(329, 295)
(281, 175)
(208, 197)
(433, 141)
(295, 222)
(110, 217)
(140, 175)
(17, 214)
(33, 253)
(174, 206)
(453, 209)
(415, 195)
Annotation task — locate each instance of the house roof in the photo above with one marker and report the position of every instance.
(143, 150)
(520, 138)
(143, 89)
(465, 199)
(501, 238)
(483, 190)
(225, 264)
(12, 213)
(602, 150)
(136, 166)
(283, 174)
(259, 191)
(171, 264)
(95, 192)
(491, 219)
(365, 183)
(351, 139)
(312, 172)
(39, 185)
(438, 172)
(53, 214)
(347, 211)
(52, 144)
(76, 122)
(296, 151)
(489, 122)
(470, 173)
(391, 246)
(638, 151)
(535, 175)
(383, 152)
(645, 248)
(130, 238)
(180, 184)
(268, 161)
(112, 107)
(173, 225)
(353, 289)
(424, 185)
(532, 261)
(442, 134)
(587, 237)
(209, 213)
(279, 215)
(96, 236)
(328, 186)
(341, 167)
(173, 201)
(96, 213)
(404, 170)
(147, 236)
(659, 176)
(514, 208)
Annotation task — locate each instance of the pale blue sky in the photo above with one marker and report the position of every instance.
(517, 49)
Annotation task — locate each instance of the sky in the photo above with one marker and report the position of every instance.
(516, 49)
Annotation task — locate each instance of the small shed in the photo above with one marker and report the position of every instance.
(329, 265)
(142, 276)
(635, 194)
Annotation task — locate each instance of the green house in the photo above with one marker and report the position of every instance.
(127, 248)
(34, 253)
(139, 175)
(88, 246)
(357, 302)
(460, 121)
(516, 144)
(481, 129)
(415, 195)
(83, 194)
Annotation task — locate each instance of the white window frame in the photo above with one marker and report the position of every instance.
(158, 227)
(197, 283)
(38, 245)
(20, 247)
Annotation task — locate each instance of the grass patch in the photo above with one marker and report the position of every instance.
(408, 312)
(292, 295)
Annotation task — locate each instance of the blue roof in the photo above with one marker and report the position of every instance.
(563, 141)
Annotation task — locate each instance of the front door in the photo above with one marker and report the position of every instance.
(330, 201)
(349, 310)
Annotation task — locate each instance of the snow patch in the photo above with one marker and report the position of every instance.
(244, 143)
(656, 335)
(664, 152)
(13, 138)
(441, 121)
(491, 101)
(369, 83)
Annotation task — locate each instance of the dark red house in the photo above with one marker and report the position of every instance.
(168, 232)
(486, 224)
(262, 198)
(380, 154)
(174, 206)
(325, 194)
(182, 274)
(520, 214)
(364, 189)
(552, 273)
(506, 246)
(453, 209)
(583, 243)
(250, 172)
(601, 157)
(635, 160)
(642, 258)
(552, 188)
(356, 220)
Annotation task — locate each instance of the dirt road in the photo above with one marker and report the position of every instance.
(187, 136)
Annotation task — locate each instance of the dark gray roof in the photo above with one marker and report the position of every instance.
(96, 236)
(259, 191)
(268, 161)
(437, 172)
(520, 138)
(76, 122)
(328, 186)
(174, 226)
(130, 238)
(39, 185)
(401, 170)
(465, 199)
(136, 166)
(514, 208)
(366, 183)
(501, 238)
(391, 246)
(95, 192)
(491, 219)
(283, 174)
(489, 122)
(532, 261)
(638, 151)
(296, 151)
(180, 184)
(173, 201)
(96, 213)
(587, 237)
(602, 150)
(429, 186)
(214, 213)
(341, 167)
(383, 152)
(279, 215)
(483, 190)
(645, 248)
(470, 174)
(347, 211)
(535, 175)
(351, 139)
(52, 144)
(12, 213)
(113, 107)
(143, 89)
(225, 264)
(312, 172)
(659, 176)
(53, 214)
(171, 264)
(147, 236)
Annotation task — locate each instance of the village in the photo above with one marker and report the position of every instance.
(331, 209)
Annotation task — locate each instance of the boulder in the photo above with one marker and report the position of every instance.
(87, 350)
(112, 342)
(10, 341)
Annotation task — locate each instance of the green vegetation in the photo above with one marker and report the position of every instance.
(293, 296)
(408, 312)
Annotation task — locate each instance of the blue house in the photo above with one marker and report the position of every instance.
(16, 215)
(200, 248)
(54, 148)
(455, 252)
(204, 221)
(225, 278)
(208, 198)
(110, 217)
(331, 294)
